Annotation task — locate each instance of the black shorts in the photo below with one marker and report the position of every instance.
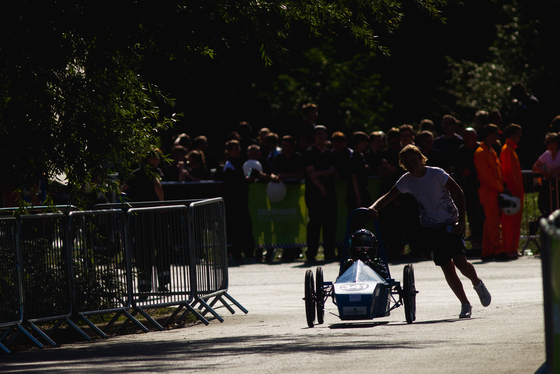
(442, 244)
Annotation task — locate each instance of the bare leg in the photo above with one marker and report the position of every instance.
(454, 282)
(466, 268)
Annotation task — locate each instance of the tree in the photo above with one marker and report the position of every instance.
(75, 93)
(522, 52)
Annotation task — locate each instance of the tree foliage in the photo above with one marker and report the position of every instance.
(522, 52)
(346, 87)
(75, 93)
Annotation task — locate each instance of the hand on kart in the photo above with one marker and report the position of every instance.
(372, 213)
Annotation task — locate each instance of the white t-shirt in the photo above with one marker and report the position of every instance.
(546, 158)
(434, 200)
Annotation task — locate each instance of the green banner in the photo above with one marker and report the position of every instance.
(284, 223)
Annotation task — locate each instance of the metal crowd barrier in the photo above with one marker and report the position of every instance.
(97, 242)
(162, 261)
(10, 308)
(197, 190)
(45, 272)
(550, 258)
(207, 238)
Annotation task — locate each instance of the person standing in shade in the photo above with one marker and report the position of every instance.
(236, 199)
(467, 178)
(511, 173)
(320, 196)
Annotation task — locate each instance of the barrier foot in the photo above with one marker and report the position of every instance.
(135, 321)
(235, 303)
(25, 332)
(190, 309)
(113, 320)
(208, 309)
(150, 319)
(92, 326)
(38, 331)
(72, 325)
(4, 348)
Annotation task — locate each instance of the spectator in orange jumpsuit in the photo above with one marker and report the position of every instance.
(491, 185)
(511, 172)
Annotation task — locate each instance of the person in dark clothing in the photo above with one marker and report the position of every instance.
(357, 193)
(449, 142)
(425, 141)
(343, 155)
(468, 180)
(236, 198)
(176, 170)
(145, 182)
(304, 132)
(320, 196)
(288, 164)
(144, 185)
(373, 157)
(246, 139)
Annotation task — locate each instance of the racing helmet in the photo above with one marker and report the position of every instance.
(509, 205)
(363, 245)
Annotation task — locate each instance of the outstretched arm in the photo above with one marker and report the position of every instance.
(383, 201)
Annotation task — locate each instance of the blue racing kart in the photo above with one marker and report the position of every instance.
(360, 293)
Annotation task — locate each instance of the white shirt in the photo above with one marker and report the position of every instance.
(546, 158)
(434, 200)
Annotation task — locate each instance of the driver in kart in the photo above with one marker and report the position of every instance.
(363, 247)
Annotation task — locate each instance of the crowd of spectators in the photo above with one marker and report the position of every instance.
(485, 159)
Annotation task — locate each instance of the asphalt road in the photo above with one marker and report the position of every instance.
(506, 337)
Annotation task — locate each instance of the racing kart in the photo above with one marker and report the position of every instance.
(360, 293)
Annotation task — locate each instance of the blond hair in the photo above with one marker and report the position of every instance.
(411, 148)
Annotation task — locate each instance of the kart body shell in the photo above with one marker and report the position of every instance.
(361, 293)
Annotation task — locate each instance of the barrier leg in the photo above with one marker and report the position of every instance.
(150, 319)
(70, 324)
(236, 303)
(4, 348)
(209, 309)
(92, 326)
(198, 316)
(135, 321)
(113, 320)
(38, 331)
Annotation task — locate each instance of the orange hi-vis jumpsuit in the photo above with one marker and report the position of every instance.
(511, 172)
(491, 185)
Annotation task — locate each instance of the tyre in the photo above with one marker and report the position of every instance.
(409, 293)
(309, 298)
(320, 296)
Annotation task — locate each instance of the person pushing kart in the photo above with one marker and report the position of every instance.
(442, 218)
(363, 247)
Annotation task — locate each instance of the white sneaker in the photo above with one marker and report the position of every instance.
(483, 294)
(466, 310)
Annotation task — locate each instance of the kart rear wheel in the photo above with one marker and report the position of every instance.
(319, 296)
(309, 298)
(409, 293)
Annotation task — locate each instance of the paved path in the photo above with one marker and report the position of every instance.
(506, 337)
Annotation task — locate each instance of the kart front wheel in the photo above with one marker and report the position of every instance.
(309, 298)
(319, 296)
(409, 293)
